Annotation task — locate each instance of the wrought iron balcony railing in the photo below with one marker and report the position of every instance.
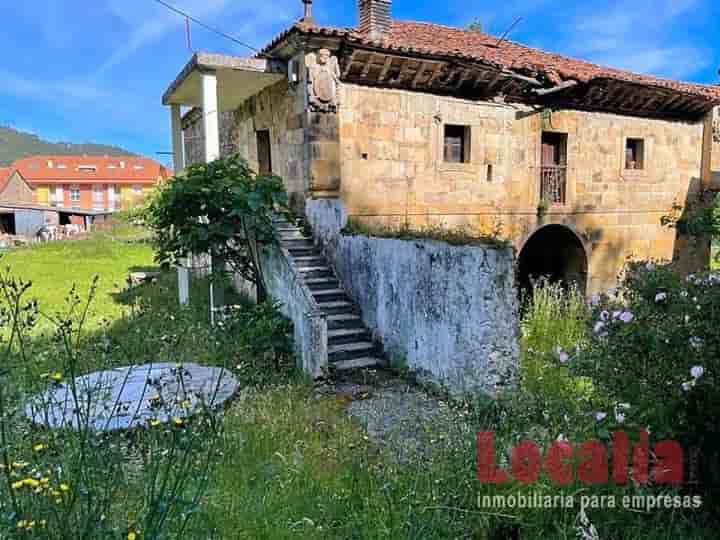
(553, 184)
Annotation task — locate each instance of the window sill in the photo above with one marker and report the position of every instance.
(634, 173)
(457, 167)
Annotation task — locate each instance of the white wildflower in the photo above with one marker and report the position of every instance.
(696, 343)
(585, 530)
(687, 386)
(616, 314)
(684, 294)
(620, 417)
(627, 317)
(661, 297)
(564, 357)
(650, 266)
(595, 300)
(604, 316)
(598, 327)
(600, 416)
(697, 371)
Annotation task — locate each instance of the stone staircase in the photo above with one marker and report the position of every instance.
(350, 343)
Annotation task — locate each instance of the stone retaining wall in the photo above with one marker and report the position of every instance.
(447, 312)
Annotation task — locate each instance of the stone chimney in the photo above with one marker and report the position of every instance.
(375, 18)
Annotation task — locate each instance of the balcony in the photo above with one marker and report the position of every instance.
(553, 184)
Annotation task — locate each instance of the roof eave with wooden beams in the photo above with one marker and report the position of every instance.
(373, 64)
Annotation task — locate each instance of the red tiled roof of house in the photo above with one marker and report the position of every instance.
(426, 39)
(91, 169)
(5, 174)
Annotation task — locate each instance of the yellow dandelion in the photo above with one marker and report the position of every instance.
(178, 421)
(39, 447)
(17, 485)
(58, 501)
(19, 464)
(31, 482)
(155, 422)
(22, 524)
(44, 480)
(186, 404)
(57, 376)
(64, 488)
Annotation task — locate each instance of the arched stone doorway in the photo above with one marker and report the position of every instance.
(556, 253)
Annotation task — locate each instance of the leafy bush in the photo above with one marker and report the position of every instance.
(221, 208)
(656, 351)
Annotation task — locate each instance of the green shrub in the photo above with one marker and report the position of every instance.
(655, 353)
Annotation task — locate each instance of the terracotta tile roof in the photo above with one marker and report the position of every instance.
(90, 169)
(5, 174)
(426, 39)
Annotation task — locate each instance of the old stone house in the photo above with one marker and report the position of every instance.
(414, 123)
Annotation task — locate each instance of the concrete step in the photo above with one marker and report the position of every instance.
(312, 261)
(304, 252)
(289, 229)
(330, 295)
(344, 320)
(348, 351)
(312, 272)
(357, 363)
(348, 335)
(297, 243)
(322, 284)
(337, 307)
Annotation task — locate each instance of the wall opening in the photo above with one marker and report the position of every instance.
(555, 253)
(264, 152)
(7, 224)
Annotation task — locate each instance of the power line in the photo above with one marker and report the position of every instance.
(206, 26)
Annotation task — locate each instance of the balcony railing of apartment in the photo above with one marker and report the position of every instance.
(553, 184)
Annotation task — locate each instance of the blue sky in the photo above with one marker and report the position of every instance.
(94, 70)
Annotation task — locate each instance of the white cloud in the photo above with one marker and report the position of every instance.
(639, 36)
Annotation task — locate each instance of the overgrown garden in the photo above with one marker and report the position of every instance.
(285, 461)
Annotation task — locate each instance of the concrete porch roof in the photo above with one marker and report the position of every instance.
(238, 78)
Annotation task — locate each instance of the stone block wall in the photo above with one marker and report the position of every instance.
(393, 172)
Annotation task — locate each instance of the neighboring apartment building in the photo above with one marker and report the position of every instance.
(90, 182)
(416, 123)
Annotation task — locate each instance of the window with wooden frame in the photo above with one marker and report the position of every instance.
(634, 154)
(457, 144)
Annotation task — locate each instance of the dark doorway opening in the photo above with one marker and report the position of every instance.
(264, 152)
(555, 253)
(7, 224)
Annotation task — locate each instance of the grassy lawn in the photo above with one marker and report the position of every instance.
(286, 462)
(55, 267)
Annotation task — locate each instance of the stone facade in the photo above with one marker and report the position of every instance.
(381, 153)
(393, 172)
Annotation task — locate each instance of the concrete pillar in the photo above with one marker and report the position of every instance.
(184, 283)
(177, 139)
(211, 123)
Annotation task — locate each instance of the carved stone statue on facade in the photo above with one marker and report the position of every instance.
(323, 81)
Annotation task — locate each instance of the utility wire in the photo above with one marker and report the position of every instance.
(206, 26)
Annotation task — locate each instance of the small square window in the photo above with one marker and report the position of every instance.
(635, 154)
(457, 144)
(75, 193)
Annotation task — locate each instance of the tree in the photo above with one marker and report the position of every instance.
(220, 208)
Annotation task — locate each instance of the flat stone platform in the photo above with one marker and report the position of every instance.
(135, 396)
